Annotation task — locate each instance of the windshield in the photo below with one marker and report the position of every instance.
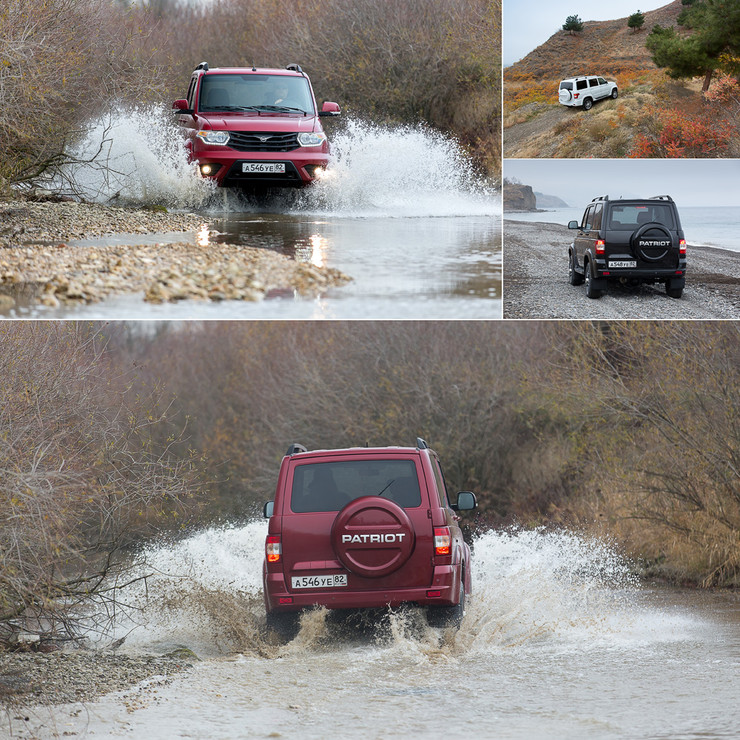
(331, 486)
(268, 93)
(628, 217)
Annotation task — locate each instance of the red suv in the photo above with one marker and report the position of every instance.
(363, 528)
(255, 126)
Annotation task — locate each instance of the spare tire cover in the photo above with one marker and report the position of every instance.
(651, 242)
(372, 536)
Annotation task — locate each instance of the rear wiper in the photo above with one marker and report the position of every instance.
(386, 488)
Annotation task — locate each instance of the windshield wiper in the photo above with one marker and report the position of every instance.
(280, 109)
(386, 488)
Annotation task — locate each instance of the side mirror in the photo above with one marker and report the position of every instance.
(268, 509)
(466, 501)
(181, 106)
(329, 109)
(574, 225)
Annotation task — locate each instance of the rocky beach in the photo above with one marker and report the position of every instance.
(536, 282)
(35, 257)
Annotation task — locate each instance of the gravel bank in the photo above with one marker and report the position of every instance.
(75, 676)
(35, 258)
(536, 282)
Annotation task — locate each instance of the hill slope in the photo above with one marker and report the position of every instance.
(603, 47)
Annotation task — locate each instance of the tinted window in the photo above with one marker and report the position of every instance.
(330, 486)
(566, 85)
(229, 91)
(587, 218)
(581, 84)
(628, 217)
(597, 216)
(593, 82)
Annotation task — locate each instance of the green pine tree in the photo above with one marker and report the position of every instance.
(636, 21)
(573, 24)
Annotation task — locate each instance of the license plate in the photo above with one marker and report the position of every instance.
(319, 581)
(266, 167)
(623, 263)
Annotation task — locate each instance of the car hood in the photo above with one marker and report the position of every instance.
(265, 122)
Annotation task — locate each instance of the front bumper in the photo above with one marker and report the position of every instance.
(445, 580)
(301, 166)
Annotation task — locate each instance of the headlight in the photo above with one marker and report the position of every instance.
(214, 137)
(311, 139)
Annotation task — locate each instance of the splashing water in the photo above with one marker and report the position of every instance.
(550, 590)
(138, 156)
(135, 156)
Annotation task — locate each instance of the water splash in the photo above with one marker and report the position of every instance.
(383, 171)
(557, 591)
(135, 156)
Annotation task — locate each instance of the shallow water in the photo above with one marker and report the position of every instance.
(558, 640)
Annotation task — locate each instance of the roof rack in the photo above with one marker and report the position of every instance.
(661, 197)
(295, 448)
(203, 66)
(294, 68)
(601, 197)
(421, 444)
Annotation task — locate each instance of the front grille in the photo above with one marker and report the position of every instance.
(248, 141)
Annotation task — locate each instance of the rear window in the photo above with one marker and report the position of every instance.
(628, 217)
(330, 486)
(566, 85)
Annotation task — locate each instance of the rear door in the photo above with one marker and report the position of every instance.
(646, 232)
(363, 515)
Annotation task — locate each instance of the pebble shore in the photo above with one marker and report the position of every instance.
(64, 677)
(34, 252)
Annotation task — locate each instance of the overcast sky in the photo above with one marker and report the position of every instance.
(529, 23)
(690, 182)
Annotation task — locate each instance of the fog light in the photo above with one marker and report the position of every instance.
(209, 169)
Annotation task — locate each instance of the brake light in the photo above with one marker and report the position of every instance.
(599, 246)
(442, 540)
(575, 95)
(273, 549)
(682, 246)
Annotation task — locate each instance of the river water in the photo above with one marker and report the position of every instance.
(559, 641)
(401, 211)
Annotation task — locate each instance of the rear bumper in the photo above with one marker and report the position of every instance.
(640, 273)
(445, 580)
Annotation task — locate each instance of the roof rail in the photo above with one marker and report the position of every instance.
(295, 448)
(601, 197)
(203, 66)
(294, 68)
(661, 197)
(421, 444)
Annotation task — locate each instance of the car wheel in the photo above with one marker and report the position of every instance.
(591, 292)
(673, 292)
(286, 624)
(588, 104)
(448, 616)
(574, 277)
(615, 93)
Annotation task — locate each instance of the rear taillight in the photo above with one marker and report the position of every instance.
(442, 540)
(575, 95)
(273, 549)
(599, 246)
(682, 246)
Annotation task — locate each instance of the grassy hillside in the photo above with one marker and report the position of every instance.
(654, 116)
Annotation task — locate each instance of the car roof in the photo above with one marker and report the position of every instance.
(354, 451)
(251, 70)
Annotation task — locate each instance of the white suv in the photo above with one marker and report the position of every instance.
(586, 91)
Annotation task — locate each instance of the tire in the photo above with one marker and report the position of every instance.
(574, 277)
(673, 292)
(285, 624)
(587, 104)
(448, 616)
(615, 93)
(591, 292)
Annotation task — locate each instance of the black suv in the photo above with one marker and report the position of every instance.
(633, 241)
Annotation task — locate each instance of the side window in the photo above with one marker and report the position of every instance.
(588, 218)
(581, 84)
(440, 481)
(602, 81)
(191, 92)
(593, 82)
(597, 216)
